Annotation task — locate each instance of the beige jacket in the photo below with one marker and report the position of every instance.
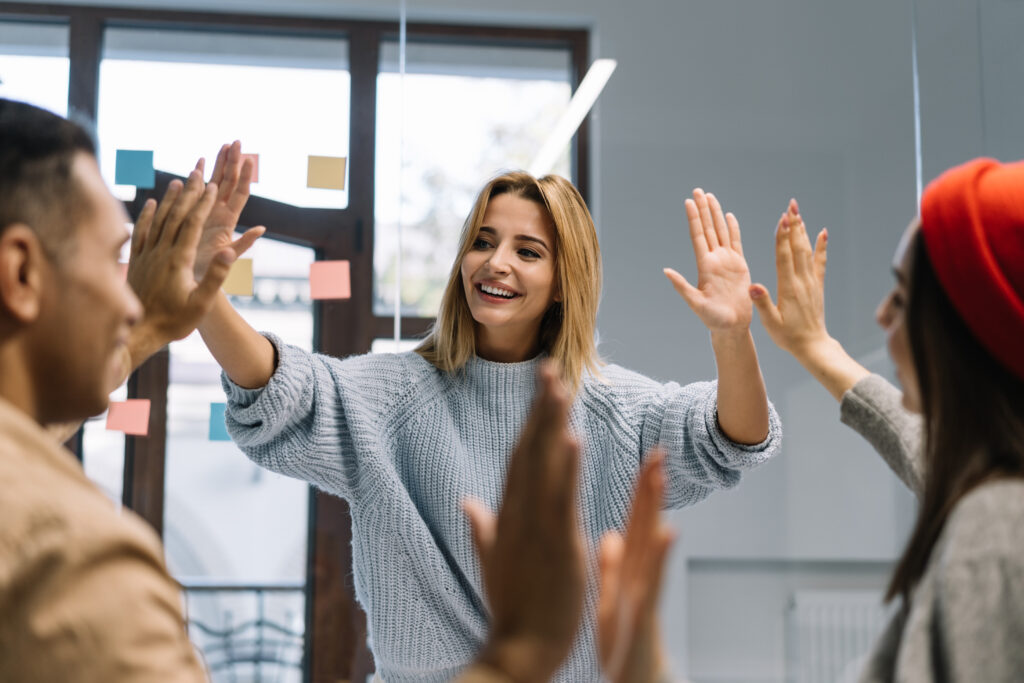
(84, 591)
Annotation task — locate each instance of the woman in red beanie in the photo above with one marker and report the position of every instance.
(954, 323)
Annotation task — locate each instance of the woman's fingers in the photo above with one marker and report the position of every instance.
(232, 170)
(734, 233)
(707, 222)
(821, 256)
(769, 313)
(784, 268)
(248, 238)
(690, 294)
(718, 217)
(697, 236)
(218, 166)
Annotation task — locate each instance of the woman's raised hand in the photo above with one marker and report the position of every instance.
(797, 323)
(721, 298)
(232, 174)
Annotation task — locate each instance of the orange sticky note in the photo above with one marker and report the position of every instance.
(327, 173)
(255, 165)
(130, 417)
(239, 279)
(329, 280)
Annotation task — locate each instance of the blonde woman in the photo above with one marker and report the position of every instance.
(404, 438)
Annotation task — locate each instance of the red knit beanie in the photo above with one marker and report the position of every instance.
(972, 219)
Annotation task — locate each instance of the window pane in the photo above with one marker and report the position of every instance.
(183, 94)
(462, 115)
(34, 64)
(236, 533)
(232, 519)
(103, 451)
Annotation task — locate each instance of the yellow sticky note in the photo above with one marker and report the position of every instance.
(239, 280)
(327, 173)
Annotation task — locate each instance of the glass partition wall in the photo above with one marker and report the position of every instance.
(264, 560)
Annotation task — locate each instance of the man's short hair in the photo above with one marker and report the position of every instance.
(37, 150)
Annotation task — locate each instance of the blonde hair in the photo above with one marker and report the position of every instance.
(567, 329)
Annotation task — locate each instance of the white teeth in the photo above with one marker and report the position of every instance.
(496, 291)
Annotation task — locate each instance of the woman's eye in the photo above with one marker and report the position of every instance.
(481, 244)
(528, 253)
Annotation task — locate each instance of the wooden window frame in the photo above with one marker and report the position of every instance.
(335, 648)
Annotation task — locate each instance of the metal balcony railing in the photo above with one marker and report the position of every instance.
(247, 632)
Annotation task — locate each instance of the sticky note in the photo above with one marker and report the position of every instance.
(327, 173)
(123, 267)
(218, 427)
(130, 417)
(134, 167)
(239, 280)
(329, 280)
(255, 166)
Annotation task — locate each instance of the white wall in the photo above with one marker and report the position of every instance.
(761, 101)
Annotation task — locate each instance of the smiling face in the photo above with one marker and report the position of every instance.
(509, 277)
(892, 317)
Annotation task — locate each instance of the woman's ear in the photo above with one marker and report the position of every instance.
(22, 261)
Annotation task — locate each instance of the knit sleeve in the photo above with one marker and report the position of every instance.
(873, 408)
(701, 458)
(311, 420)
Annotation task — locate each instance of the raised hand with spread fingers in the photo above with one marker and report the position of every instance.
(232, 174)
(797, 323)
(162, 265)
(721, 299)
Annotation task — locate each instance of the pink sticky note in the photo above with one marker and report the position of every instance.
(130, 417)
(329, 280)
(255, 165)
(123, 267)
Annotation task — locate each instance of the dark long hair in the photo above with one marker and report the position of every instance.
(973, 414)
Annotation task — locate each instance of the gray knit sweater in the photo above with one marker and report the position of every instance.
(965, 621)
(404, 443)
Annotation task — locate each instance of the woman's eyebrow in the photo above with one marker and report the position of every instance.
(523, 238)
(536, 240)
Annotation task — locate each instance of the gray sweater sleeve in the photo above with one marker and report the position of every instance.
(873, 408)
(301, 423)
(701, 458)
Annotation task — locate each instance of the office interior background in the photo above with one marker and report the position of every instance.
(849, 107)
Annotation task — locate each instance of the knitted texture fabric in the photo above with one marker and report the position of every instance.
(404, 443)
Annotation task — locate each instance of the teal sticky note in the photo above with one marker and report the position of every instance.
(218, 428)
(135, 167)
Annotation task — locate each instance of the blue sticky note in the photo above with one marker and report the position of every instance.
(135, 167)
(218, 428)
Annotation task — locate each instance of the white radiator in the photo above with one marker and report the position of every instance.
(828, 634)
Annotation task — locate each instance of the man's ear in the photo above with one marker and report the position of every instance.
(22, 261)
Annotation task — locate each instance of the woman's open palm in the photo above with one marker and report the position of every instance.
(721, 298)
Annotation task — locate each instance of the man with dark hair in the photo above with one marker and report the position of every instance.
(84, 591)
